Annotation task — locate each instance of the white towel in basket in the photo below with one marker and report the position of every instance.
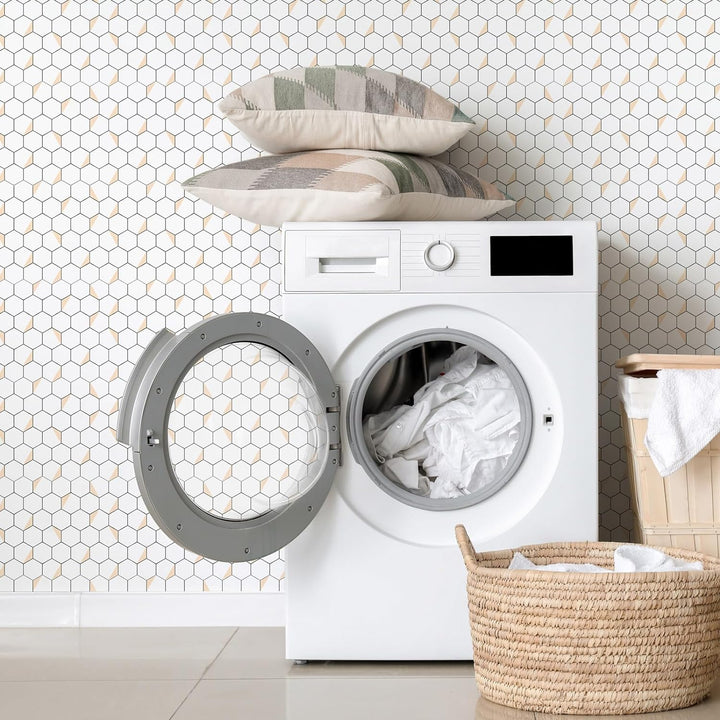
(520, 562)
(641, 558)
(628, 558)
(684, 417)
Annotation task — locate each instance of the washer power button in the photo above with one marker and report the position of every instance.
(439, 255)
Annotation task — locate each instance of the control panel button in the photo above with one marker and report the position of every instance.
(439, 255)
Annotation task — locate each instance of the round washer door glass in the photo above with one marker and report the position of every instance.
(234, 426)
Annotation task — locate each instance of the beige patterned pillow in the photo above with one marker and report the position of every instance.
(346, 185)
(344, 107)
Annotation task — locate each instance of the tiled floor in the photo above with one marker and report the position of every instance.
(207, 673)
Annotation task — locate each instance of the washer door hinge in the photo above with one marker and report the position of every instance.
(333, 421)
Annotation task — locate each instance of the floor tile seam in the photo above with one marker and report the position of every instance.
(145, 678)
(255, 678)
(220, 652)
(185, 699)
(89, 681)
(204, 672)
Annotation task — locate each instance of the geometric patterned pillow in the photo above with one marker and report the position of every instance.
(346, 185)
(344, 106)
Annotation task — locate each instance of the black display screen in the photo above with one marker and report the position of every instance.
(527, 255)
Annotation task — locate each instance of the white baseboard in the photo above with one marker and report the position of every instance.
(41, 609)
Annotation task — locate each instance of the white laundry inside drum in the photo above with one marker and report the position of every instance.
(456, 434)
(247, 432)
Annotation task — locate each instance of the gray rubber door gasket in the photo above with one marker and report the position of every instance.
(143, 425)
(355, 417)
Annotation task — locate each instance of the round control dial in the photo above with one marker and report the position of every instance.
(439, 255)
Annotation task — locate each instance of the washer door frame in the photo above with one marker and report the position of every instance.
(143, 424)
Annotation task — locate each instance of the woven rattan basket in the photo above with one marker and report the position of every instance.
(591, 643)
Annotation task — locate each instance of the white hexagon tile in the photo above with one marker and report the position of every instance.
(246, 432)
(602, 110)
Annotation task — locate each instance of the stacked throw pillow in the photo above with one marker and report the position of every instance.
(345, 134)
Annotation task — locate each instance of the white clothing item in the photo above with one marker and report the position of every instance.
(684, 417)
(405, 472)
(461, 429)
(640, 558)
(637, 395)
(520, 562)
(628, 558)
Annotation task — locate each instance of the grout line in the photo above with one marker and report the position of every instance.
(220, 652)
(202, 675)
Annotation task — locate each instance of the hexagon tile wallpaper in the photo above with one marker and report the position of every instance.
(602, 110)
(245, 432)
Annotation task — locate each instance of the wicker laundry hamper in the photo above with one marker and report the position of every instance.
(679, 510)
(591, 643)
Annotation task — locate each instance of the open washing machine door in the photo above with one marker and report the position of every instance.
(234, 426)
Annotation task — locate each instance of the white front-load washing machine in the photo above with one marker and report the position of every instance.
(251, 433)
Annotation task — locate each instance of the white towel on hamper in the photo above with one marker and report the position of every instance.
(684, 417)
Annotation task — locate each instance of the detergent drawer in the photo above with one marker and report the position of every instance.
(342, 260)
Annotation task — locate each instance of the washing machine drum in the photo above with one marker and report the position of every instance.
(234, 427)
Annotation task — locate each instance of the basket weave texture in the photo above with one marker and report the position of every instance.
(587, 643)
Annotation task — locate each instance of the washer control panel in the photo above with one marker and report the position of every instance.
(440, 257)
